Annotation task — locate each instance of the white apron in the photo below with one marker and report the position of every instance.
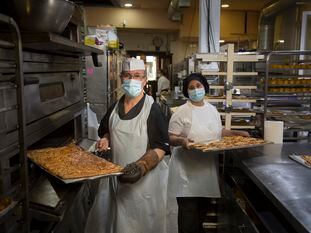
(131, 208)
(193, 173)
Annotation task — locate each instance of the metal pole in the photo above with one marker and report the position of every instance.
(266, 86)
(19, 81)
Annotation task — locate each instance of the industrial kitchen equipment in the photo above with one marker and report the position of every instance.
(51, 84)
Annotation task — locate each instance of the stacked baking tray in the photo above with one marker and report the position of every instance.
(287, 94)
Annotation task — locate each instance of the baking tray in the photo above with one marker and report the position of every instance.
(69, 181)
(8, 208)
(298, 159)
(233, 148)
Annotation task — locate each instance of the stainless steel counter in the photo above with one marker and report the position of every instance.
(171, 101)
(285, 182)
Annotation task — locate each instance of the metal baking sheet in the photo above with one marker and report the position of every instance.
(8, 208)
(69, 181)
(300, 160)
(234, 147)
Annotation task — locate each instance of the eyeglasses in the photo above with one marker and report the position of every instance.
(132, 76)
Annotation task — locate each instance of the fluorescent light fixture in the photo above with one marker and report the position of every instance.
(221, 41)
(225, 5)
(128, 4)
(281, 41)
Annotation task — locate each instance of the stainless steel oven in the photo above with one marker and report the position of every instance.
(46, 93)
(54, 113)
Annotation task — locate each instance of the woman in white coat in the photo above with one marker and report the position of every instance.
(193, 175)
(136, 132)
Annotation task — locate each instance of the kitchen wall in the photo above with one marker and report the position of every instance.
(136, 40)
(130, 18)
(235, 26)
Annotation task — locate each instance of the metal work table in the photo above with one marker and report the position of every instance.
(169, 101)
(285, 182)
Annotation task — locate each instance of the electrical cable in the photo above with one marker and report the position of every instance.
(210, 30)
(212, 38)
(208, 25)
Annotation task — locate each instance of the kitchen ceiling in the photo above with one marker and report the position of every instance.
(234, 4)
(255, 5)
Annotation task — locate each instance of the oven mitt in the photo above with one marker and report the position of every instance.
(131, 173)
(134, 171)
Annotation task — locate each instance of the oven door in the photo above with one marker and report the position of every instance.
(46, 93)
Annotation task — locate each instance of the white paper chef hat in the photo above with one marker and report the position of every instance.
(133, 64)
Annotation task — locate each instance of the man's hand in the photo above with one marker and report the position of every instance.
(131, 173)
(134, 171)
(102, 144)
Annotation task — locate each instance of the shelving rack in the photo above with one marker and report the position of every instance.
(287, 91)
(229, 58)
(13, 160)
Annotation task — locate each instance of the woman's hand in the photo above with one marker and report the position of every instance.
(178, 140)
(230, 133)
(243, 133)
(102, 144)
(186, 142)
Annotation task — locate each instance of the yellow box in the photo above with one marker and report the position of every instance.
(113, 44)
(89, 40)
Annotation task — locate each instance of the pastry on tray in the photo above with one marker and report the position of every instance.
(72, 162)
(307, 159)
(228, 143)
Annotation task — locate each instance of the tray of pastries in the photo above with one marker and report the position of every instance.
(302, 159)
(72, 164)
(229, 143)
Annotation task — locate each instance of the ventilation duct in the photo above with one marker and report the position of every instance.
(209, 26)
(266, 23)
(174, 12)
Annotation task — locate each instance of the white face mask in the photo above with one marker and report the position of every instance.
(196, 95)
(132, 87)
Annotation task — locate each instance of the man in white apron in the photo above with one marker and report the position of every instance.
(136, 131)
(193, 175)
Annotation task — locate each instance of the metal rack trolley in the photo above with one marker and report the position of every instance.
(14, 147)
(230, 57)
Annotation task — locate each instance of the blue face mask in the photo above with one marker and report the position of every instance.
(197, 94)
(132, 87)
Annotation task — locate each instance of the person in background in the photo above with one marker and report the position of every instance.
(163, 83)
(193, 175)
(135, 130)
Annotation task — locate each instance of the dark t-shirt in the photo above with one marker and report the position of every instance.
(157, 126)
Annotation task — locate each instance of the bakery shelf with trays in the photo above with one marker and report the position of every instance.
(287, 88)
(231, 78)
